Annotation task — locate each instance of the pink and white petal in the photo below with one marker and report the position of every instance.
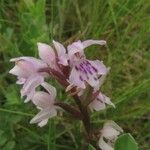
(36, 63)
(108, 101)
(114, 125)
(31, 83)
(101, 68)
(92, 81)
(16, 70)
(42, 99)
(76, 79)
(29, 96)
(111, 130)
(46, 53)
(76, 47)
(59, 48)
(103, 145)
(105, 99)
(43, 123)
(91, 42)
(97, 105)
(61, 51)
(63, 60)
(50, 89)
(20, 80)
(44, 114)
(102, 78)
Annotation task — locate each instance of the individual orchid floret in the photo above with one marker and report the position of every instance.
(109, 133)
(51, 57)
(84, 70)
(45, 102)
(99, 103)
(27, 71)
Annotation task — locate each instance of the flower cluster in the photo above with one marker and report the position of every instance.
(70, 67)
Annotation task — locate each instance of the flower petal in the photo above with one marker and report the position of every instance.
(44, 114)
(42, 99)
(61, 51)
(50, 89)
(91, 42)
(103, 145)
(101, 68)
(103, 77)
(36, 63)
(43, 123)
(97, 105)
(105, 99)
(16, 70)
(20, 80)
(46, 53)
(59, 48)
(31, 83)
(111, 130)
(76, 79)
(75, 47)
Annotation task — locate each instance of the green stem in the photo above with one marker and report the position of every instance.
(86, 117)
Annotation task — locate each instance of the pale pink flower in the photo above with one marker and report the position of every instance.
(110, 132)
(100, 102)
(51, 57)
(27, 71)
(45, 102)
(84, 70)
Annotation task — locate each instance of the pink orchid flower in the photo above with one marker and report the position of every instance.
(110, 132)
(45, 102)
(27, 71)
(84, 70)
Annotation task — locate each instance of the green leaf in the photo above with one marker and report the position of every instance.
(91, 147)
(9, 146)
(126, 142)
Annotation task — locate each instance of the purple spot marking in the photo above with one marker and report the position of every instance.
(76, 68)
(81, 78)
(95, 78)
(94, 69)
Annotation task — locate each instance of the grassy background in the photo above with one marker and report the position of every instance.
(124, 24)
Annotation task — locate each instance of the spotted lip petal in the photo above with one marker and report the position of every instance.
(110, 132)
(104, 146)
(85, 71)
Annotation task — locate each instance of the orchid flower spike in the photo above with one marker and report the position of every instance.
(84, 70)
(27, 71)
(110, 132)
(45, 102)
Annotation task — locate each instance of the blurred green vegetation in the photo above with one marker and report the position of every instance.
(124, 24)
